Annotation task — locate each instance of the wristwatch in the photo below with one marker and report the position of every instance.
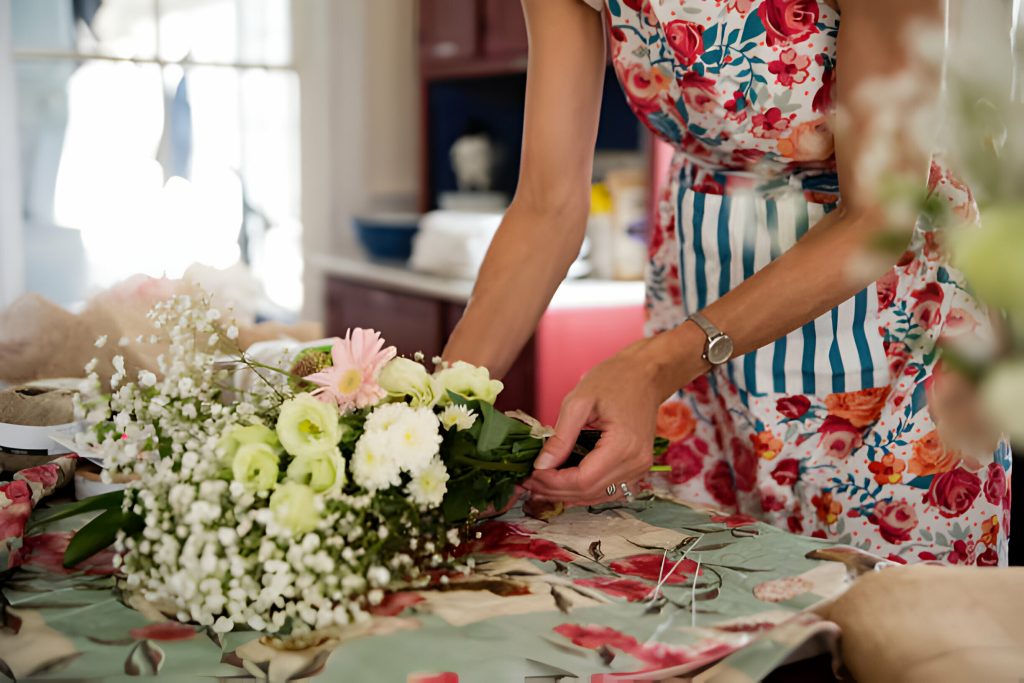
(719, 347)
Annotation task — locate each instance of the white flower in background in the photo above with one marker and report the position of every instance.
(294, 507)
(459, 417)
(412, 434)
(468, 381)
(402, 377)
(256, 465)
(306, 425)
(146, 379)
(428, 487)
(374, 467)
(321, 472)
(1003, 393)
(101, 341)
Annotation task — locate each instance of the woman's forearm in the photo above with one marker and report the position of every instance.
(828, 266)
(543, 228)
(528, 259)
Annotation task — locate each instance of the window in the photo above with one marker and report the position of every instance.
(154, 134)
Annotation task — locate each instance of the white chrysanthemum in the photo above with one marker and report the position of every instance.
(413, 434)
(415, 439)
(429, 486)
(374, 467)
(385, 417)
(459, 417)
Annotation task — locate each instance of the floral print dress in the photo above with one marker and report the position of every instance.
(832, 430)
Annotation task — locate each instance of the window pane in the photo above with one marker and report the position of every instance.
(226, 31)
(270, 172)
(118, 28)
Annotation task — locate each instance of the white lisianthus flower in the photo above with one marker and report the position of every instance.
(321, 472)
(240, 436)
(308, 426)
(294, 507)
(459, 417)
(429, 486)
(256, 466)
(468, 381)
(412, 434)
(1003, 394)
(403, 377)
(373, 465)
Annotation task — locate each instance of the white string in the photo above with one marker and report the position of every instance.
(693, 596)
(663, 578)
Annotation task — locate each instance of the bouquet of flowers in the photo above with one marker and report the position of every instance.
(294, 505)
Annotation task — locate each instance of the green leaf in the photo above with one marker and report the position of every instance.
(104, 501)
(494, 429)
(752, 27)
(100, 534)
(710, 36)
(923, 483)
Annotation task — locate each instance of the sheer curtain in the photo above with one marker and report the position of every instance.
(11, 249)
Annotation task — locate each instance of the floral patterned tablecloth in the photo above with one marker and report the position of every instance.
(574, 595)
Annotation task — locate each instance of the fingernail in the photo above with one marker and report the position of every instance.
(544, 461)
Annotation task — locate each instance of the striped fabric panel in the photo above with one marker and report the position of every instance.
(725, 239)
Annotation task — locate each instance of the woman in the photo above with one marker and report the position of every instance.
(808, 357)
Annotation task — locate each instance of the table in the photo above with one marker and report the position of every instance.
(573, 595)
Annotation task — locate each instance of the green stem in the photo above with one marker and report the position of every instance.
(486, 465)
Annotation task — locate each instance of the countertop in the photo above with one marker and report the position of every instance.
(581, 293)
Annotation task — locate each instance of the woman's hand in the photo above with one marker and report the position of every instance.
(620, 398)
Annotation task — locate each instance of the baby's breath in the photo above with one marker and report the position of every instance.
(211, 546)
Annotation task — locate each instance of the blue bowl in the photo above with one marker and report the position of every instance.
(387, 237)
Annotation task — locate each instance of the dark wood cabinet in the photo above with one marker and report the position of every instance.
(504, 29)
(449, 30)
(470, 38)
(411, 323)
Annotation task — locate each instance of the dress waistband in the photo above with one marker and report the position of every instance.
(819, 185)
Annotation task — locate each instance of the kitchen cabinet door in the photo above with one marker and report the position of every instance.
(411, 323)
(504, 33)
(449, 30)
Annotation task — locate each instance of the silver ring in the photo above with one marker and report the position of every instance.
(626, 492)
(610, 490)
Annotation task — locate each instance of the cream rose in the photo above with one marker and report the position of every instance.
(294, 507)
(239, 436)
(256, 465)
(320, 471)
(468, 381)
(403, 377)
(307, 426)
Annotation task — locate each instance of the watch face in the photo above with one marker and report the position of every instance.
(719, 350)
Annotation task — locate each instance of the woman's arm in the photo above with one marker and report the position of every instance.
(543, 228)
(833, 261)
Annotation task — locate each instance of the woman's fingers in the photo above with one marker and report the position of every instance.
(573, 417)
(614, 461)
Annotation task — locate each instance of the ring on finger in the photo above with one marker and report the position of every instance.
(626, 492)
(610, 490)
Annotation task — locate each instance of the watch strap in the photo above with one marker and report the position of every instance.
(709, 329)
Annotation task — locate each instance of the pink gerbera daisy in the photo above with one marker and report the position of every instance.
(351, 381)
